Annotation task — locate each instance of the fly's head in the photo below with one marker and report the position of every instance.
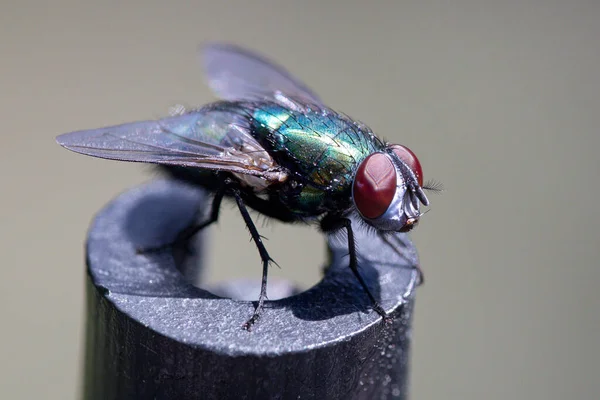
(388, 189)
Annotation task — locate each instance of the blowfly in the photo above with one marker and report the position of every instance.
(272, 145)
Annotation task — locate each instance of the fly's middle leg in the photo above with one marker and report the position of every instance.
(264, 256)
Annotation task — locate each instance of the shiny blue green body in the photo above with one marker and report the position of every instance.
(321, 149)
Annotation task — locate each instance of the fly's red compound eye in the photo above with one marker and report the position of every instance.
(374, 185)
(406, 155)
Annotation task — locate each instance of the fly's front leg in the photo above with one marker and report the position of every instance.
(187, 233)
(396, 247)
(330, 224)
(264, 256)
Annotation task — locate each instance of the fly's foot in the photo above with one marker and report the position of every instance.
(387, 319)
(257, 311)
(248, 324)
(381, 311)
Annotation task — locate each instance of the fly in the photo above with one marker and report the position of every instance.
(272, 145)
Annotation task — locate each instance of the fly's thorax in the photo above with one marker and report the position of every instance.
(387, 189)
(321, 146)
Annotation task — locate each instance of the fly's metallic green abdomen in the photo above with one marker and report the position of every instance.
(321, 148)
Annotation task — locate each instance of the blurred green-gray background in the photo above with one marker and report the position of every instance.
(500, 100)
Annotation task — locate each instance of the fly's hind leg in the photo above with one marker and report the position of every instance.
(264, 256)
(334, 223)
(187, 233)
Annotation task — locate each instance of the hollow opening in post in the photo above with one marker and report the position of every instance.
(224, 261)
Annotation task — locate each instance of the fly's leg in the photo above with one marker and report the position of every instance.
(264, 256)
(333, 224)
(396, 248)
(187, 233)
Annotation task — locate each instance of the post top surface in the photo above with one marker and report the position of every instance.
(150, 288)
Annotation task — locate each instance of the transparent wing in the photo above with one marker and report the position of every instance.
(237, 74)
(210, 138)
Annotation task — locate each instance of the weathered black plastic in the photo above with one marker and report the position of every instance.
(153, 335)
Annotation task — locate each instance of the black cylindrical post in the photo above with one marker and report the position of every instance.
(153, 335)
